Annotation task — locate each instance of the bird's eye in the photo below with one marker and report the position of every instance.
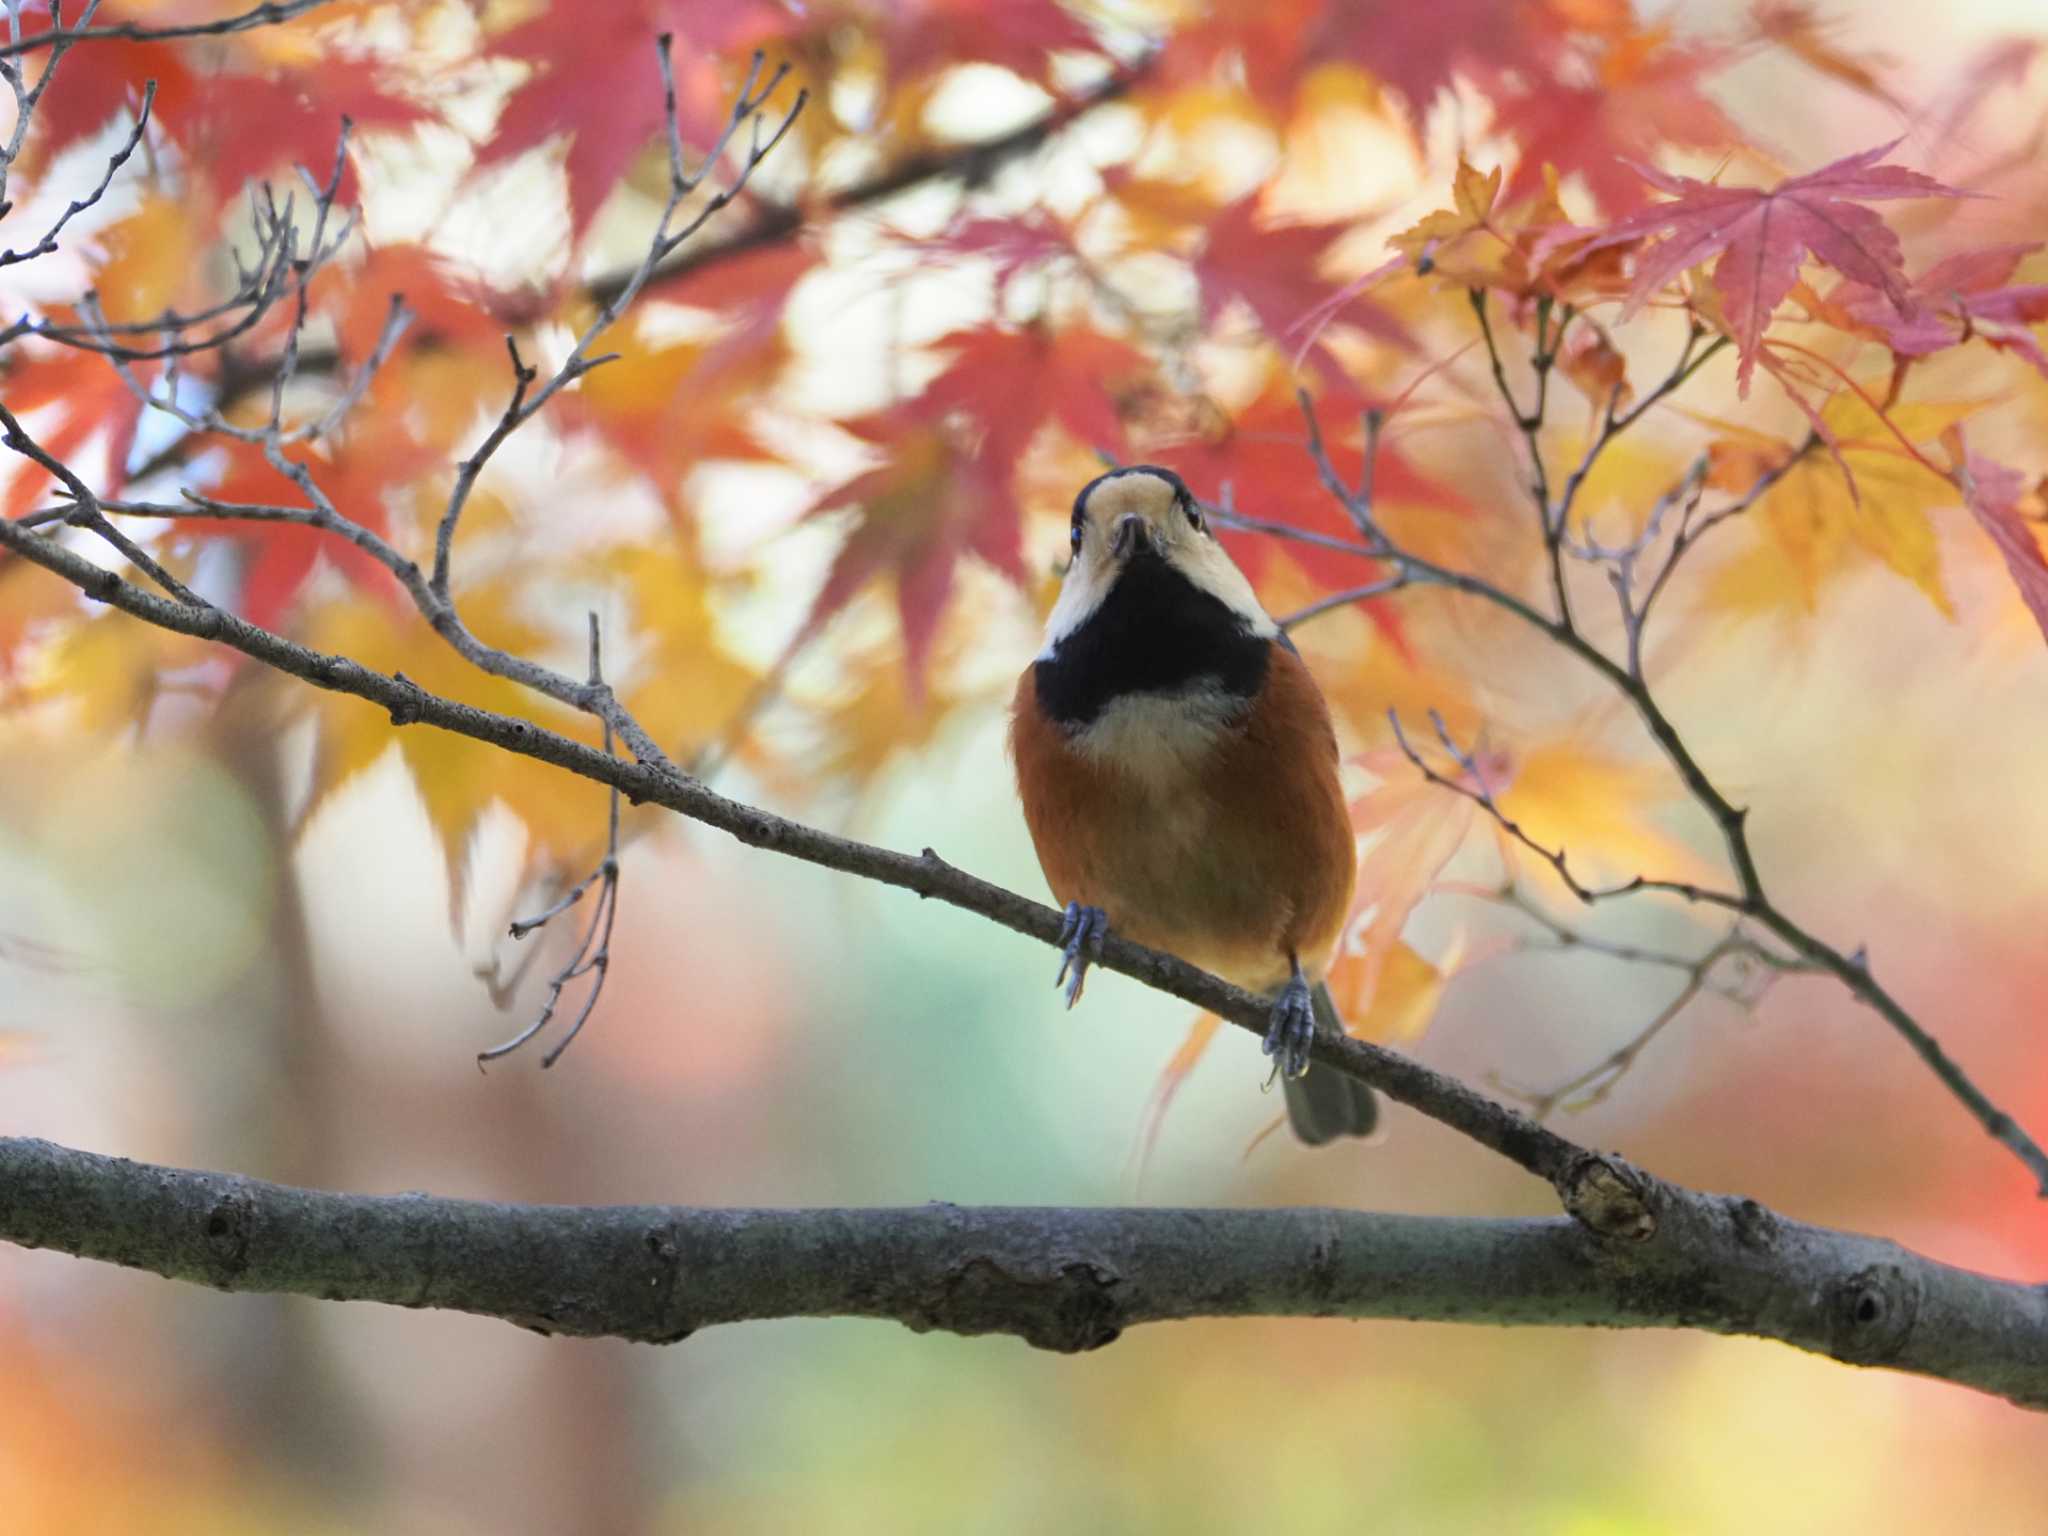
(1076, 541)
(1194, 513)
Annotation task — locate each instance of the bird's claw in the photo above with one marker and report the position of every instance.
(1081, 937)
(1292, 1030)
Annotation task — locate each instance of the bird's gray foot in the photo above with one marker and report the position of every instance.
(1081, 937)
(1293, 1028)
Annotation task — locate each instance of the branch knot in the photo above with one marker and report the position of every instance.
(1871, 1314)
(1609, 1197)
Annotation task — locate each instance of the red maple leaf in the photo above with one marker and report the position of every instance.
(1010, 383)
(949, 488)
(279, 557)
(251, 125)
(1275, 270)
(917, 514)
(1992, 492)
(594, 80)
(1965, 296)
(748, 289)
(1418, 47)
(921, 37)
(1759, 236)
(96, 81)
(1645, 94)
(233, 126)
(88, 397)
(1259, 41)
(447, 305)
(1012, 244)
(695, 405)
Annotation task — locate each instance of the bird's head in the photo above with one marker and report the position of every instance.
(1143, 522)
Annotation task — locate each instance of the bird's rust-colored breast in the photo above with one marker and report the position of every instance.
(1232, 857)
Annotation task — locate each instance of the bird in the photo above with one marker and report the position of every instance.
(1179, 776)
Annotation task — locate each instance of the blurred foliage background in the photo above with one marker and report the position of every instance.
(240, 930)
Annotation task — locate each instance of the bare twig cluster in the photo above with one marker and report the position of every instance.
(431, 590)
(1639, 571)
(278, 265)
(593, 953)
(1736, 967)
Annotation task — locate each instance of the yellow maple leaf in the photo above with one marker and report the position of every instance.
(1812, 526)
(1461, 241)
(686, 687)
(1416, 828)
(1615, 501)
(107, 670)
(643, 378)
(1599, 809)
(457, 779)
(1394, 999)
(152, 256)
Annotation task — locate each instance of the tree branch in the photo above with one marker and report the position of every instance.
(1749, 899)
(265, 15)
(1542, 1152)
(1065, 1280)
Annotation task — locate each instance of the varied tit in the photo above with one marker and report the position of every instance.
(1179, 774)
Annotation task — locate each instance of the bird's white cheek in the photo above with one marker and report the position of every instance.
(1080, 595)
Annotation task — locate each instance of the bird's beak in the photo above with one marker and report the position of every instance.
(1133, 533)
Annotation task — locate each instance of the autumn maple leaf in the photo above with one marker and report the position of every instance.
(1259, 41)
(1275, 271)
(1968, 295)
(1419, 48)
(1992, 492)
(1257, 452)
(1011, 382)
(594, 81)
(1759, 236)
(87, 398)
(1012, 244)
(921, 37)
(448, 305)
(1645, 92)
(949, 488)
(279, 557)
(235, 125)
(917, 514)
(1801, 31)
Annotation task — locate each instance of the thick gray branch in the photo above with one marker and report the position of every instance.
(1059, 1279)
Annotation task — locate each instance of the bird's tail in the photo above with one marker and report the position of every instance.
(1323, 1105)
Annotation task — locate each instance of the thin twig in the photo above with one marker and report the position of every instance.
(1471, 783)
(85, 511)
(530, 394)
(1344, 599)
(1593, 1085)
(266, 15)
(120, 157)
(593, 953)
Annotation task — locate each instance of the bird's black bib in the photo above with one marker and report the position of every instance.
(1155, 633)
